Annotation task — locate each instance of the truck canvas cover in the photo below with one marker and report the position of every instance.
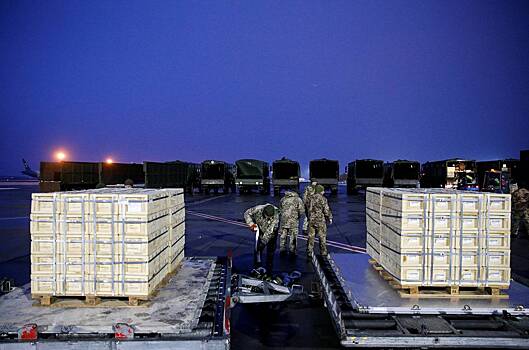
(369, 169)
(285, 169)
(213, 169)
(406, 170)
(324, 169)
(251, 169)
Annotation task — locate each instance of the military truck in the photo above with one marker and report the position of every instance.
(326, 173)
(252, 174)
(510, 168)
(68, 176)
(285, 175)
(451, 173)
(402, 173)
(363, 173)
(176, 174)
(215, 175)
(118, 173)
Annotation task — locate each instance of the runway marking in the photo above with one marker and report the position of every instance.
(206, 200)
(15, 218)
(334, 244)
(8, 188)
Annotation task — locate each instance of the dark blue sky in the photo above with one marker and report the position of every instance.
(190, 80)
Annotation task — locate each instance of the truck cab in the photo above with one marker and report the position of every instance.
(216, 175)
(252, 174)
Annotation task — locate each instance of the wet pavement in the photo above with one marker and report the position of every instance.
(302, 325)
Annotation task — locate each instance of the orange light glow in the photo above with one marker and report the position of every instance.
(109, 161)
(60, 156)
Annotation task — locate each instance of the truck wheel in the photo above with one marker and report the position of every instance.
(277, 191)
(334, 191)
(206, 190)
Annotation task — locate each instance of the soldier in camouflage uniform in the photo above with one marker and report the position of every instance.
(307, 195)
(292, 209)
(520, 211)
(266, 218)
(318, 214)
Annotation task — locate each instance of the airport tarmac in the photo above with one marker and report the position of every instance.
(213, 228)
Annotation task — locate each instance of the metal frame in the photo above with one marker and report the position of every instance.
(352, 337)
(272, 293)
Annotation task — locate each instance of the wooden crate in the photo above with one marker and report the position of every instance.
(497, 241)
(496, 277)
(404, 201)
(43, 203)
(497, 222)
(498, 203)
(470, 202)
(404, 259)
(496, 258)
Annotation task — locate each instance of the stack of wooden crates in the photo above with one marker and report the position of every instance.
(109, 242)
(439, 237)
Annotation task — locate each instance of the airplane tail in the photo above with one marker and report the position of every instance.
(28, 171)
(26, 165)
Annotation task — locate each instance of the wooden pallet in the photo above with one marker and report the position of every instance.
(89, 301)
(101, 300)
(441, 292)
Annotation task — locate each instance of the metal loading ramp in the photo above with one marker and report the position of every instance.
(368, 312)
(188, 312)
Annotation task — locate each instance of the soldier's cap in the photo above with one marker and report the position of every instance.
(319, 189)
(269, 210)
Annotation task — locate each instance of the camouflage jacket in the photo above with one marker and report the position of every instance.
(267, 226)
(292, 209)
(318, 210)
(307, 195)
(520, 199)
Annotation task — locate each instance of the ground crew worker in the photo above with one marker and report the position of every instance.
(520, 211)
(266, 218)
(292, 209)
(307, 194)
(319, 213)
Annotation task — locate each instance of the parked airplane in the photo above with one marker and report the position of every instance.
(28, 171)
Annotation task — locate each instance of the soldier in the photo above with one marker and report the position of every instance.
(292, 209)
(520, 211)
(318, 213)
(307, 194)
(266, 218)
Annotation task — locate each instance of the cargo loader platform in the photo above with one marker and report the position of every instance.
(368, 312)
(190, 312)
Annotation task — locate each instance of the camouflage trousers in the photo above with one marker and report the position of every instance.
(288, 232)
(519, 220)
(319, 230)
